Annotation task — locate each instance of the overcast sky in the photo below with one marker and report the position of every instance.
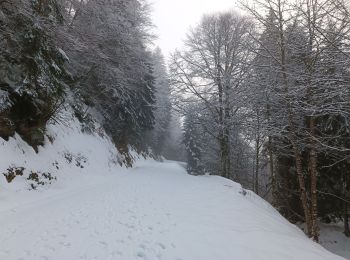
(173, 18)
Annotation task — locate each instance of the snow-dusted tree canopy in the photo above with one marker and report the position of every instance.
(107, 44)
(212, 71)
(32, 73)
(92, 55)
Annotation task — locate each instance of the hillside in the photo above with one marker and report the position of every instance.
(99, 210)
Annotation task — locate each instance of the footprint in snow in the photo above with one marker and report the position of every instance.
(161, 245)
(44, 239)
(142, 246)
(141, 255)
(103, 243)
(65, 244)
(49, 247)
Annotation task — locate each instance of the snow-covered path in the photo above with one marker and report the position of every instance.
(154, 211)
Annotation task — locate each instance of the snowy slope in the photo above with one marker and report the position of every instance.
(153, 211)
(67, 150)
(333, 239)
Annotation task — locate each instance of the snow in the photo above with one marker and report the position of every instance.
(152, 211)
(71, 152)
(64, 55)
(333, 239)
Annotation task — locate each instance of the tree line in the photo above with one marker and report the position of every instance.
(95, 57)
(266, 102)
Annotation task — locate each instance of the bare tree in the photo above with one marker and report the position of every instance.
(213, 69)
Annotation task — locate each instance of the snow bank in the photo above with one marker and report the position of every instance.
(68, 152)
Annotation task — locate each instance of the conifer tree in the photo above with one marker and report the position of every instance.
(32, 73)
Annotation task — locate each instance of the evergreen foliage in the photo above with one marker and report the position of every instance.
(32, 73)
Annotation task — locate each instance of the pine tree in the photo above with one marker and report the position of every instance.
(32, 74)
(113, 68)
(193, 144)
(162, 111)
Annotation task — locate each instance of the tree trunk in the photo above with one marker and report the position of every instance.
(227, 121)
(272, 173)
(225, 160)
(303, 194)
(227, 154)
(271, 161)
(292, 130)
(310, 66)
(257, 162)
(298, 162)
(346, 220)
(222, 139)
(346, 208)
(313, 179)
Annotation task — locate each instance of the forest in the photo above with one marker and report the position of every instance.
(266, 98)
(260, 94)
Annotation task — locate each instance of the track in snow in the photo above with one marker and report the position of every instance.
(154, 211)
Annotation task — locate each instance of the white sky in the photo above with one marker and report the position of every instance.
(173, 18)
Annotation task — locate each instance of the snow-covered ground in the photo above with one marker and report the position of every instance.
(333, 239)
(98, 210)
(154, 211)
